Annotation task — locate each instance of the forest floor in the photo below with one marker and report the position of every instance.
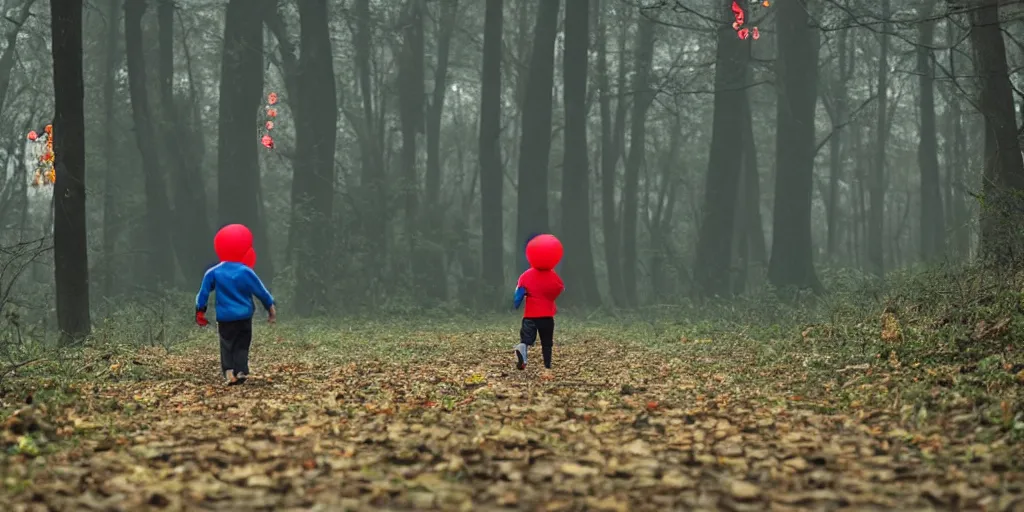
(657, 416)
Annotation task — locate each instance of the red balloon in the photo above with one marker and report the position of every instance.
(544, 252)
(232, 242)
(250, 258)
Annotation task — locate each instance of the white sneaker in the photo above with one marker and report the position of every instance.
(229, 378)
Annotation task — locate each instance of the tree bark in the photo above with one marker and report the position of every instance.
(579, 267)
(316, 134)
(644, 96)
(933, 229)
(110, 189)
(491, 172)
(241, 94)
(435, 280)
(713, 264)
(958, 214)
(877, 182)
(192, 229)
(375, 196)
(609, 158)
(70, 251)
(839, 120)
(535, 140)
(160, 260)
(410, 100)
(792, 262)
(1001, 239)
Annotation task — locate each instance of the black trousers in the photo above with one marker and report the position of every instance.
(545, 328)
(235, 338)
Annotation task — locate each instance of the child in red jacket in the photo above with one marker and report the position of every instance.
(539, 286)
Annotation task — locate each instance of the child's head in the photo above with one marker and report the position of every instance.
(544, 252)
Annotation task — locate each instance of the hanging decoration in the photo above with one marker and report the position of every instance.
(45, 174)
(268, 123)
(739, 19)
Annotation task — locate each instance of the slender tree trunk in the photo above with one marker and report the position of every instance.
(316, 134)
(877, 184)
(491, 172)
(609, 160)
(713, 264)
(7, 58)
(579, 268)
(933, 229)
(637, 148)
(792, 261)
(1001, 215)
(433, 219)
(535, 141)
(192, 230)
(751, 226)
(410, 100)
(110, 189)
(375, 196)
(840, 102)
(160, 258)
(70, 251)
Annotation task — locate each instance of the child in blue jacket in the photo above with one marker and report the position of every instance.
(235, 285)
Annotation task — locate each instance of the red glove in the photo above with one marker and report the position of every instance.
(201, 320)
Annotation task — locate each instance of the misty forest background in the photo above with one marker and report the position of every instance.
(418, 142)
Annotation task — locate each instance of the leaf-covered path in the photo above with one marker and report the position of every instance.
(614, 427)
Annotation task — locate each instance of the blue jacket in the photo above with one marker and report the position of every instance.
(235, 284)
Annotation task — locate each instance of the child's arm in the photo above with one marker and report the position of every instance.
(559, 286)
(520, 294)
(259, 290)
(203, 297)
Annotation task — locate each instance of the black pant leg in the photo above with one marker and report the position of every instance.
(227, 336)
(241, 346)
(528, 332)
(546, 330)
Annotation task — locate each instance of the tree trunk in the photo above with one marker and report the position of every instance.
(955, 161)
(70, 250)
(160, 260)
(435, 279)
(191, 227)
(713, 264)
(491, 174)
(375, 202)
(316, 134)
(1001, 214)
(535, 140)
(792, 261)
(241, 94)
(749, 226)
(933, 229)
(839, 120)
(110, 189)
(579, 267)
(877, 183)
(410, 100)
(609, 159)
(644, 95)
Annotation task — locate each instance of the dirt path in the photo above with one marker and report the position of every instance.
(613, 430)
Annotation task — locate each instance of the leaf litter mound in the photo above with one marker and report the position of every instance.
(615, 427)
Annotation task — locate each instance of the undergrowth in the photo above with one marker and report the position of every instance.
(955, 328)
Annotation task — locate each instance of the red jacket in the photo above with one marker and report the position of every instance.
(542, 289)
